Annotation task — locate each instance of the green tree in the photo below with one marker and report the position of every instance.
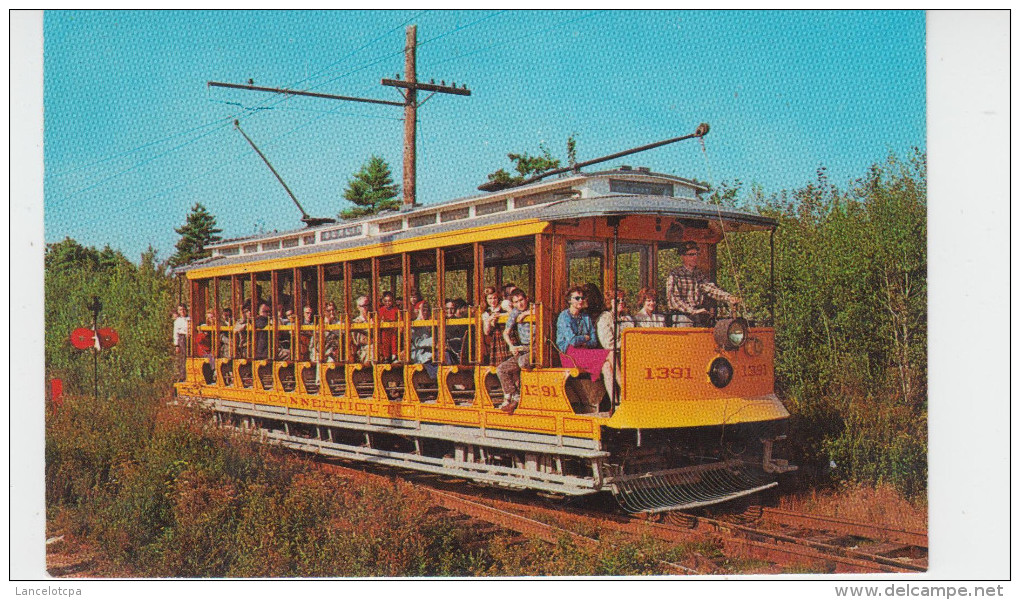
(137, 302)
(371, 189)
(198, 232)
(527, 165)
(572, 150)
(68, 254)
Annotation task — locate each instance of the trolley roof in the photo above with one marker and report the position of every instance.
(619, 192)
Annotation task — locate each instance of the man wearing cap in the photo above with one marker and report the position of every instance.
(687, 286)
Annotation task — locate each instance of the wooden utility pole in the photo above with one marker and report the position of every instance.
(410, 117)
(409, 87)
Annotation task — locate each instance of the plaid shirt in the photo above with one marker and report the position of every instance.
(686, 290)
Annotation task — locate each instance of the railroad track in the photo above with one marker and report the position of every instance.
(805, 551)
(790, 541)
(514, 521)
(514, 517)
(843, 546)
(892, 535)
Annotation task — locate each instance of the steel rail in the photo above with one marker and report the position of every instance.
(528, 526)
(508, 519)
(834, 553)
(786, 552)
(736, 540)
(844, 526)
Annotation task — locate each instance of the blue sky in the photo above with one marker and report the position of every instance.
(133, 136)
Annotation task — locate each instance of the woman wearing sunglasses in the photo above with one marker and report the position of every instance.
(574, 326)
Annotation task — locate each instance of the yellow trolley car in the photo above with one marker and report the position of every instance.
(695, 416)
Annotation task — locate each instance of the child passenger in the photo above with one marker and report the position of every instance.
(517, 336)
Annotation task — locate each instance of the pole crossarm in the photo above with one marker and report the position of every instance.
(429, 87)
(255, 88)
(408, 87)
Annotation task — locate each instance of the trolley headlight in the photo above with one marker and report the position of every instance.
(720, 372)
(730, 333)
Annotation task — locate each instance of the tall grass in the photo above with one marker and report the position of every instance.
(165, 493)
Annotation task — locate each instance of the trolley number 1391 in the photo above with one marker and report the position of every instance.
(668, 373)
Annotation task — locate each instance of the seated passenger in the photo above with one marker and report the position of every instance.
(508, 290)
(203, 339)
(646, 315)
(463, 312)
(261, 335)
(360, 339)
(455, 334)
(423, 342)
(305, 335)
(494, 349)
(242, 331)
(226, 349)
(594, 302)
(415, 300)
(517, 336)
(574, 326)
(388, 313)
(609, 323)
(330, 351)
(687, 287)
(285, 334)
(610, 327)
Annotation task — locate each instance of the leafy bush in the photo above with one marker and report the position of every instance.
(137, 302)
(850, 317)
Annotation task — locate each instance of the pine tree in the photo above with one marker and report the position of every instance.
(69, 255)
(199, 231)
(372, 190)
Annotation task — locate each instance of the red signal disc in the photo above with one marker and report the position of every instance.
(83, 338)
(108, 338)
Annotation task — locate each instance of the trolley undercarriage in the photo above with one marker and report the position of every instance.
(646, 471)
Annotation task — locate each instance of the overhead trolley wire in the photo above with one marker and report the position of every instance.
(320, 110)
(518, 38)
(235, 158)
(462, 27)
(334, 111)
(281, 99)
(137, 148)
(134, 166)
(372, 63)
(420, 44)
(219, 123)
(353, 52)
(251, 111)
